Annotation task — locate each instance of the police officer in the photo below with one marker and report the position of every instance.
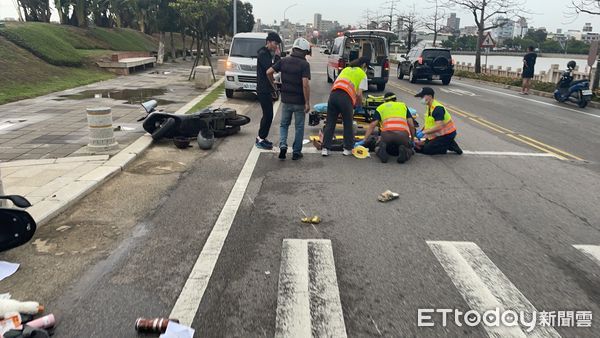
(396, 127)
(439, 129)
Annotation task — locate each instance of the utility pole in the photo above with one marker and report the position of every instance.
(234, 17)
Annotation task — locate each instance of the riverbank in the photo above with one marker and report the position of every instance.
(520, 54)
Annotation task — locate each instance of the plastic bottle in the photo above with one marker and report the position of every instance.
(44, 322)
(11, 305)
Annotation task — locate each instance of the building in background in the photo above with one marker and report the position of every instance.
(468, 31)
(587, 28)
(317, 21)
(453, 23)
(505, 30)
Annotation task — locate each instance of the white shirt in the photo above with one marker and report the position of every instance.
(364, 84)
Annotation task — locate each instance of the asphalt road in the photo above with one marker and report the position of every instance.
(473, 232)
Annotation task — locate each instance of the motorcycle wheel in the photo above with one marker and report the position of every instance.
(228, 131)
(239, 120)
(582, 103)
(163, 129)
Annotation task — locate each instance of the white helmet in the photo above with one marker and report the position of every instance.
(302, 43)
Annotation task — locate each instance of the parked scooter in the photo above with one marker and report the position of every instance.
(205, 124)
(16, 226)
(573, 91)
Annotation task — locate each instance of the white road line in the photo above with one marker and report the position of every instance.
(312, 150)
(507, 153)
(527, 99)
(187, 304)
(293, 298)
(308, 300)
(328, 318)
(591, 251)
(484, 287)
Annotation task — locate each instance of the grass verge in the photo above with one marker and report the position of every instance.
(208, 99)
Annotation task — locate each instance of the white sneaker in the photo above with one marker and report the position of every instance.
(325, 152)
(347, 152)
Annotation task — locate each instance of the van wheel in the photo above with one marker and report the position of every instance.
(229, 93)
(381, 87)
(400, 73)
(411, 76)
(329, 80)
(446, 80)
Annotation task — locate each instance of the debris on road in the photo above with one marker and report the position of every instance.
(154, 325)
(45, 322)
(7, 269)
(11, 305)
(311, 220)
(387, 196)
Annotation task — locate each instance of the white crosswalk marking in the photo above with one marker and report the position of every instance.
(591, 251)
(308, 301)
(484, 287)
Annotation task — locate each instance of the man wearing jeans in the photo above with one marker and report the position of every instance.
(295, 95)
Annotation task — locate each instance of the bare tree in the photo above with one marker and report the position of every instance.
(410, 23)
(486, 13)
(391, 11)
(435, 22)
(586, 6)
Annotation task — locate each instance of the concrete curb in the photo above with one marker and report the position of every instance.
(70, 194)
(192, 103)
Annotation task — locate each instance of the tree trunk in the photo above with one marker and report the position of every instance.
(142, 21)
(480, 28)
(183, 43)
(195, 63)
(173, 51)
(207, 55)
(409, 40)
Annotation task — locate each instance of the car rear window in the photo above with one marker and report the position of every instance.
(435, 53)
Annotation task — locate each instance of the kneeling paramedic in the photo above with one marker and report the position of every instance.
(397, 130)
(439, 129)
(346, 93)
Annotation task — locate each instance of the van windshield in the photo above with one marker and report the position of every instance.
(246, 47)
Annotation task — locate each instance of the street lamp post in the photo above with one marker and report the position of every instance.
(234, 17)
(285, 10)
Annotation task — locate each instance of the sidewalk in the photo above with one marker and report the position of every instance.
(51, 175)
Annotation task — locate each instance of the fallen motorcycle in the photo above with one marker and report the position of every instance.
(571, 90)
(205, 124)
(16, 226)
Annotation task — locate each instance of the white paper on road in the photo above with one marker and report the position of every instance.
(7, 269)
(175, 330)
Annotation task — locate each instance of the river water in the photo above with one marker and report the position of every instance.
(542, 63)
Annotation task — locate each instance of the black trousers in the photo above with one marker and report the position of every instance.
(339, 103)
(437, 146)
(393, 140)
(266, 103)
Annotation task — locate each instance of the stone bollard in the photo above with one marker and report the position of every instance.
(221, 65)
(102, 137)
(203, 77)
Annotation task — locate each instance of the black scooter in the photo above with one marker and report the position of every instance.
(205, 123)
(16, 226)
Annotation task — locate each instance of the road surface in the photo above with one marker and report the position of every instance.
(512, 224)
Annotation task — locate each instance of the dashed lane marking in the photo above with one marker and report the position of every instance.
(308, 298)
(484, 287)
(187, 304)
(591, 251)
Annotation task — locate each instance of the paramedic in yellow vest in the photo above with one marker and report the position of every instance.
(346, 93)
(396, 128)
(439, 129)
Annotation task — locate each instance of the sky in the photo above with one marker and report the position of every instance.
(544, 13)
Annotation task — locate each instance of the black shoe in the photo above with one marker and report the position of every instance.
(402, 156)
(455, 148)
(297, 156)
(382, 153)
(282, 152)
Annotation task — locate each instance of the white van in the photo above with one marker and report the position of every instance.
(240, 68)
